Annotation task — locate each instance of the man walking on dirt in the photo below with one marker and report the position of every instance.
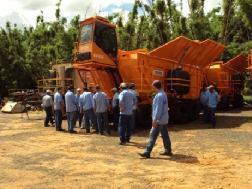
(47, 104)
(71, 109)
(212, 102)
(160, 119)
(86, 108)
(101, 104)
(58, 108)
(126, 104)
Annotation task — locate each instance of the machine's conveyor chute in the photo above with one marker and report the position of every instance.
(198, 53)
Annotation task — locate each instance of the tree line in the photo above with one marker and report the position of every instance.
(27, 54)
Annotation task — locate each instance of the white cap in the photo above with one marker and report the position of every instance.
(78, 89)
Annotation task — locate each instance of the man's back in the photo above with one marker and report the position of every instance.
(126, 102)
(100, 102)
(71, 103)
(57, 101)
(86, 100)
(47, 101)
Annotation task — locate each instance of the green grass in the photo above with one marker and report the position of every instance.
(248, 99)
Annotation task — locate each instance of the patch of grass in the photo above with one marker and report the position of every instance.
(248, 99)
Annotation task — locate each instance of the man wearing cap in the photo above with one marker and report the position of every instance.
(212, 102)
(47, 104)
(160, 119)
(101, 104)
(126, 103)
(132, 89)
(86, 107)
(71, 109)
(58, 108)
(79, 113)
(115, 107)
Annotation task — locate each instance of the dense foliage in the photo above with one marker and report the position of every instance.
(27, 54)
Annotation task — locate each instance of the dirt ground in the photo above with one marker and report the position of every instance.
(32, 156)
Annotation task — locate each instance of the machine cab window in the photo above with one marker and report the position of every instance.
(104, 35)
(86, 33)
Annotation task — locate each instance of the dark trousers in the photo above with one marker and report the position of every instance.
(71, 120)
(58, 119)
(89, 116)
(125, 127)
(102, 121)
(212, 116)
(49, 115)
(154, 132)
(134, 121)
(79, 117)
(206, 118)
(116, 112)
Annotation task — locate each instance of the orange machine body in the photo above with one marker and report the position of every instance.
(228, 79)
(225, 76)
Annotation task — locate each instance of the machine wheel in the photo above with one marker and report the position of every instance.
(238, 101)
(179, 112)
(193, 110)
(143, 118)
(224, 103)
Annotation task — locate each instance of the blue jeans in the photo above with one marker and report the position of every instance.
(212, 116)
(154, 132)
(89, 116)
(102, 121)
(49, 114)
(125, 127)
(58, 119)
(71, 120)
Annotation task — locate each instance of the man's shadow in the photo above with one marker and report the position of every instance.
(179, 158)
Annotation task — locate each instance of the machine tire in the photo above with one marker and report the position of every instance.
(179, 113)
(238, 101)
(143, 117)
(224, 103)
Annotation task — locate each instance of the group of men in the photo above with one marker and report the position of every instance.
(209, 99)
(91, 109)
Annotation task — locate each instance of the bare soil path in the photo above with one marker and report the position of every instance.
(32, 156)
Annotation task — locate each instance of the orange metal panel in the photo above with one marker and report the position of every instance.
(238, 63)
(199, 54)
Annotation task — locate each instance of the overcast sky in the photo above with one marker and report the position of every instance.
(25, 11)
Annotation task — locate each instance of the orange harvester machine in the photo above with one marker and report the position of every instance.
(178, 64)
(229, 80)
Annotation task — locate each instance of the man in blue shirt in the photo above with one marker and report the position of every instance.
(203, 100)
(58, 108)
(71, 109)
(212, 102)
(132, 89)
(126, 103)
(160, 119)
(115, 107)
(101, 104)
(86, 107)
